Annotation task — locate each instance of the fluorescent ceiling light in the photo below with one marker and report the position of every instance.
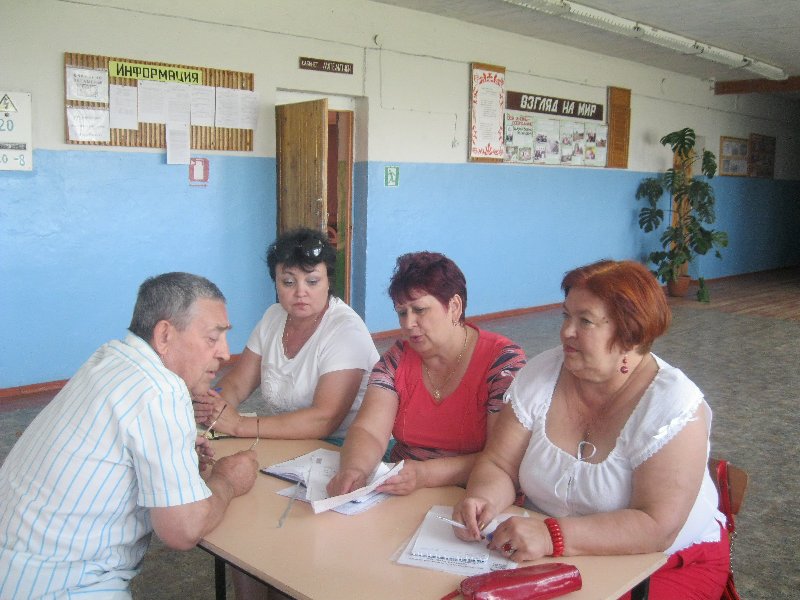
(602, 20)
(658, 37)
(671, 41)
(551, 7)
(767, 70)
(724, 57)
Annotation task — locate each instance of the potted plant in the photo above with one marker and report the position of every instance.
(691, 212)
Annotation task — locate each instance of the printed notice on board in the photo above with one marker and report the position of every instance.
(87, 85)
(88, 124)
(123, 107)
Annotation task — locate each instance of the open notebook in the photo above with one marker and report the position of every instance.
(435, 546)
(315, 469)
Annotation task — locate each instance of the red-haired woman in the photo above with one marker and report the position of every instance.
(608, 440)
(438, 391)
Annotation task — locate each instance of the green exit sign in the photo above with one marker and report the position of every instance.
(391, 176)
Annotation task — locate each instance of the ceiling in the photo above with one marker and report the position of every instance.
(767, 30)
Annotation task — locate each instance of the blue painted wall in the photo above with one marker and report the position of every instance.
(84, 229)
(515, 230)
(80, 233)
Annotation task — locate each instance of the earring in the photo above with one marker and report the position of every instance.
(624, 368)
(455, 323)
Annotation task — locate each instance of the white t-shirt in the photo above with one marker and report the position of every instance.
(341, 341)
(557, 483)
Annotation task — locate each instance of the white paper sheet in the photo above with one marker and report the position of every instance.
(152, 101)
(178, 143)
(202, 105)
(88, 124)
(89, 85)
(122, 104)
(316, 469)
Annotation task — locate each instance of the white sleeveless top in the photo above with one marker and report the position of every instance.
(559, 484)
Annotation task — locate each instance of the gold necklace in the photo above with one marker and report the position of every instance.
(437, 390)
(285, 337)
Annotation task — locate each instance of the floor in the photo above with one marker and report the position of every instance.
(742, 349)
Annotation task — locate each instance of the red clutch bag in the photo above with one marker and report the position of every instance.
(537, 582)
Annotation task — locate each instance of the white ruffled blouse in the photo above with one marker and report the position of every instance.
(559, 484)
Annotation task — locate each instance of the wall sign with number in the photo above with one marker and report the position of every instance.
(16, 148)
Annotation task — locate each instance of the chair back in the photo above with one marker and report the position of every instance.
(737, 484)
(731, 482)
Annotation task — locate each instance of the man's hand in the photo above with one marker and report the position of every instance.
(205, 452)
(203, 405)
(239, 470)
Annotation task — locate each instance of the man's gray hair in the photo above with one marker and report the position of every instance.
(169, 297)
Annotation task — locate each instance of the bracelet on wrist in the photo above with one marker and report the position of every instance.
(556, 536)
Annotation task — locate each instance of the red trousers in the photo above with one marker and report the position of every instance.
(698, 572)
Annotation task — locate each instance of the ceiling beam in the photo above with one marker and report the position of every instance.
(754, 86)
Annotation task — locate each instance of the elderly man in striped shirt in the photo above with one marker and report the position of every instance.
(115, 455)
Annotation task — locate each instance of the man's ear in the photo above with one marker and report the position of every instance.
(162, 334)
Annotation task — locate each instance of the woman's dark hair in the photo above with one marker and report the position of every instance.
(304, 248)
(635, 301)
(430, 273)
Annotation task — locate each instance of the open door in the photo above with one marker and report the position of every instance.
(302, 161)
(315, 174)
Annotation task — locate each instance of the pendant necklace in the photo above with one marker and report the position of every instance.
(437, 390)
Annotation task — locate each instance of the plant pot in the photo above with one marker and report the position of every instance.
(678, 288)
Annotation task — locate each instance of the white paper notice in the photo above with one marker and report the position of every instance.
(228, 111)
(248, 102)
(202, 105)
(178, 103)
(152, 101)
(88, 85)
(123, 107)
(178, 140)
(88, 124)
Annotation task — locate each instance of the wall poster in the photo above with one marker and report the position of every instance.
(487, 107)
(547, 149)
(519, 138)
(733, 156)
(596, 145)
(573, 140)
(761, 156)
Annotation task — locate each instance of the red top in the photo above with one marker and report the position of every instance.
(455, 425)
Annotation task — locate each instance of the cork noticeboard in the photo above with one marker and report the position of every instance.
(153, 135)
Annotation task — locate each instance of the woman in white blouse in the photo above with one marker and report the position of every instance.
(609, 441)
(311, 354)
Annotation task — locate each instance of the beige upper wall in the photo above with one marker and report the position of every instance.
(413, 77)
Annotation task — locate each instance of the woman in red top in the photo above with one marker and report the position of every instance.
(437, 391)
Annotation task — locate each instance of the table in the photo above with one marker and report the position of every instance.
(330, 555)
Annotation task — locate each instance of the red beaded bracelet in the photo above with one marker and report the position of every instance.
(555, 534)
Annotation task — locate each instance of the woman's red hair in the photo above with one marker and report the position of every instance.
(635, 301)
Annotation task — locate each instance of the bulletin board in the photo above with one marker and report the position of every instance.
(153, 135)
(732, 156)
(761, 155)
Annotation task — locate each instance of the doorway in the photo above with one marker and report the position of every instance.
(314, 161)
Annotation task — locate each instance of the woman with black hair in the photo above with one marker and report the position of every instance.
(311, 354)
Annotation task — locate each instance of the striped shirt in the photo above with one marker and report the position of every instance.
(76, 488)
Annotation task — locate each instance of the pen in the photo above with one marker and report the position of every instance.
(285, 513)
(460, 525)
(453, 523)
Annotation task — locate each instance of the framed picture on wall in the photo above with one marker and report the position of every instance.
(732, 156)
(761, 156)
(486, 115)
